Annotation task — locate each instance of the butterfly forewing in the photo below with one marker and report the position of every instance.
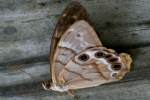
(71, 14)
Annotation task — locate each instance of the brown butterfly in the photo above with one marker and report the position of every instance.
(77, 57)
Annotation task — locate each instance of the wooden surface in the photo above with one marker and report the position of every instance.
(26, 27)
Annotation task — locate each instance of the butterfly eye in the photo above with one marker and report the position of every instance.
(99, 54)
(83, 57)
(116, 67)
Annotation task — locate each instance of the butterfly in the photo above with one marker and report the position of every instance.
(77, 57)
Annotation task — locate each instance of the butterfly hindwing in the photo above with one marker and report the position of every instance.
(71, 17)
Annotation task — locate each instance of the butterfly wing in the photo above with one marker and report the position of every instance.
(78, 37)
(73, 35)
(62, 41)
(70, 15)
(93, 67)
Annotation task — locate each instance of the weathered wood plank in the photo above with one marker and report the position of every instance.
(26, 28)
(36, 72)
(133, 90)
(117, 11)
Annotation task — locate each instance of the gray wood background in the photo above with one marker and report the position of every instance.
(26, 27)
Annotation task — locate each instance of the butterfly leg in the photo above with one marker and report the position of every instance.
(71, 93)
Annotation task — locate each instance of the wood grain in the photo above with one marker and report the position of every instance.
(130, 87)
(25, 32)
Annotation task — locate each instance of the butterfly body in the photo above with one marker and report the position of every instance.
(78, 58)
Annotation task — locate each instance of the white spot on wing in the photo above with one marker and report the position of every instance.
(104, 61)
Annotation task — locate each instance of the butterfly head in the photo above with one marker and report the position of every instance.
(48, 85)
